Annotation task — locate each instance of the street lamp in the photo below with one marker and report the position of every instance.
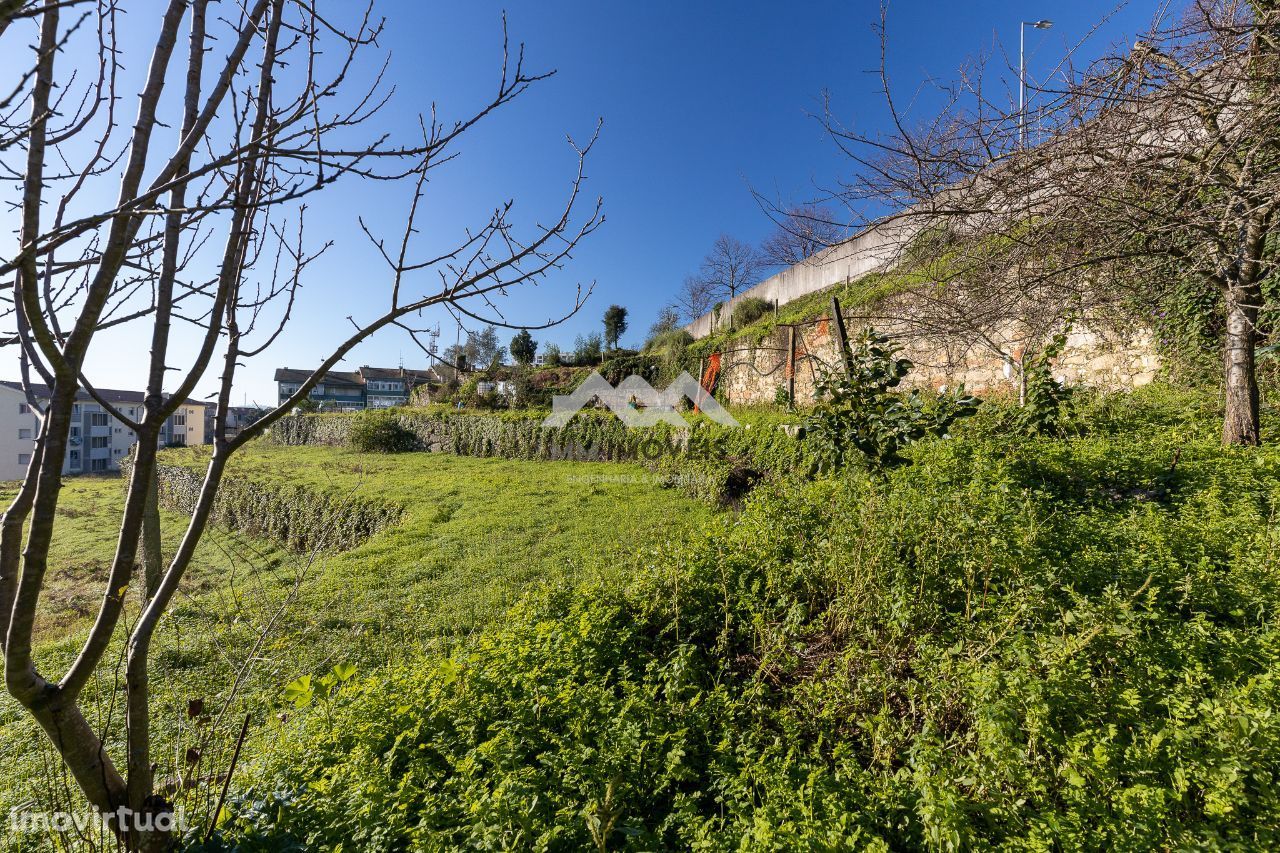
(1022, 75)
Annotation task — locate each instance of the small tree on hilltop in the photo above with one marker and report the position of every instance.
(668, 319)
(615, 325)
(586, 349)
(523, 347)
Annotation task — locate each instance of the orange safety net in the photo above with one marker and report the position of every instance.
(710, 375)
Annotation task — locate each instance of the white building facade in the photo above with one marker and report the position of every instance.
(97, 442)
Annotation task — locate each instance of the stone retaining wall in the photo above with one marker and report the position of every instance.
(753, 372)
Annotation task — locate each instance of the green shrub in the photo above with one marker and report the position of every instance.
(381, 432)
(1046, 409)
(859, 417)
(750, 309)
(300, 518)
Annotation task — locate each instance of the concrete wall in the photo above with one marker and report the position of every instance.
(867, 252)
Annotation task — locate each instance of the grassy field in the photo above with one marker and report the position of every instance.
(475, 534)
(1015, 642)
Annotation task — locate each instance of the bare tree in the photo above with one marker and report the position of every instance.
(205, 238)
(695, 297)
(802, 230)
(1157, 156)
(667, 320)
(731, 266)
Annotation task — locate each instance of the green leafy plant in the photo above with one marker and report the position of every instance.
(750, 309)
(860, 417)
(523, 347)
(381, 432)
(1046, 407)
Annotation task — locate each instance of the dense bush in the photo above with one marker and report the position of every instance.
(750, 309)
(377, 431)
(861, 418)
(1026, 643)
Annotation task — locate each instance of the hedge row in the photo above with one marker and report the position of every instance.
(588, 437)
(300, 518)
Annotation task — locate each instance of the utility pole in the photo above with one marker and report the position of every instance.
(1022, 75)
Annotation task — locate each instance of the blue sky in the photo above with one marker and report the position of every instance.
(700, 101)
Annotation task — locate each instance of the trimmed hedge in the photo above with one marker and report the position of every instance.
(589, 437)
(299, 518)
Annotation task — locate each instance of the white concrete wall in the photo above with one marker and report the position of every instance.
(12, 419)
(867, 252)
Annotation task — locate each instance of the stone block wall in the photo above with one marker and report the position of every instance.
(753, 372)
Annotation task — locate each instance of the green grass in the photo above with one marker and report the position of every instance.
(1014, 642)
(475, 535)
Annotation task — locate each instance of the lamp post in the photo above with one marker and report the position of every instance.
(1022, 75)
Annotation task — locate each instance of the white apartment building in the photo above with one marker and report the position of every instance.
(98, 441)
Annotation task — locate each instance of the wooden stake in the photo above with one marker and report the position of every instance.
(791, 365)
(842, 339)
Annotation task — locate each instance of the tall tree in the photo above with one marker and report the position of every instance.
(523, 347)
(801, 231)
(730, 267)
(191, 217)
(615, 325)
(1160, 156)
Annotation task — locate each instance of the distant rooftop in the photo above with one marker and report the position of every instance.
(111, 395)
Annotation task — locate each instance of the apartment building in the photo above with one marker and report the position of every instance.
(97, 441)
(366, 388)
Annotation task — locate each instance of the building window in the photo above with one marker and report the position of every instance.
(24, 433)
(74, 456)
(180, 420)
(98, 419)
(99, 441)
(75, 409)
(97, 464)
(24, 409)
(24, 458)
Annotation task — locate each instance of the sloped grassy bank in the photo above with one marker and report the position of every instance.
(301, 518)
(707, 460)
(1012, 642)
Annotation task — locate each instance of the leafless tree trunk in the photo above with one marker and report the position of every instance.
(209, 237)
